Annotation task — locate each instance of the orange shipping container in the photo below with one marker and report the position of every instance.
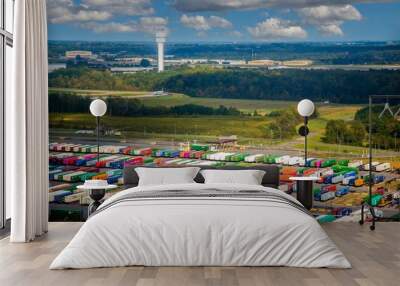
(292, 171)
(358, 182)
(285, 177)
(102, 176)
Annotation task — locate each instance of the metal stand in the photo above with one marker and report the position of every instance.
(370, 183)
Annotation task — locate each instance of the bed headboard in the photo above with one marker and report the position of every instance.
(270, 179)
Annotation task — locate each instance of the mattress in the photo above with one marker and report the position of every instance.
(201, 225)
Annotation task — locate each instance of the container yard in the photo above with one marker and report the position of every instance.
(340, 191)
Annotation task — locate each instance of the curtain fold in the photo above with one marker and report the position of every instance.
(27, 124)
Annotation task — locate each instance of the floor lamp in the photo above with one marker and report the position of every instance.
(98, 108)
(306, 109)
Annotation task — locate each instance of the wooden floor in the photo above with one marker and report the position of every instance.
(375, 257)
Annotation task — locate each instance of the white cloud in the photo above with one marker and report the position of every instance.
(67, 11)
(274, 28)
(236, 34)
(92, 14)
(219, 22)
(331, 30)
(110, 27)
(121, 7)
(150, 25)
(201, 23)
(328, 19)
(219, 5)
(63, 11)
(196, 22)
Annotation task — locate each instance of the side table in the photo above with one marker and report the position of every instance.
(305, 190)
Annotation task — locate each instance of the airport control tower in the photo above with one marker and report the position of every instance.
(160, 39)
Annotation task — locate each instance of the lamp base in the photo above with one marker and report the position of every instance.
(305, 193)
(96, 196)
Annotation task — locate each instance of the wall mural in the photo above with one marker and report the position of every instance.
(209, 83)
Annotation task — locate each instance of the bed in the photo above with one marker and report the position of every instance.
(197, 224)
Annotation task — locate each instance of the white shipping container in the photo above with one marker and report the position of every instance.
(282, 159)
(327, 196)
(355, 164)
(295, 161)
(68, 177)
(383, 167)
(347, 180)
(337, 179)
(374, 164)
(253, 158)
(73, 198)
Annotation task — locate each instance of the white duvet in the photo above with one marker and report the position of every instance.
(202, 232)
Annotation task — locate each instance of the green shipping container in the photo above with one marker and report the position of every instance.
(343, 162)
(328, 163)
(199, 147)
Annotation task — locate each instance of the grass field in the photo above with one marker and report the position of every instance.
(244, 105)
(245, 127)
(250, 130)
(99, 93)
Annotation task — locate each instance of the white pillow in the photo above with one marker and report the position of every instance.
(247, 177)
(166, 176)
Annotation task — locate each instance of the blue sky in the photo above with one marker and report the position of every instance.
(224, 20)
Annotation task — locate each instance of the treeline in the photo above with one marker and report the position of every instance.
(344, 132)
(119, 106)
(385, 129)
(283, 124)
(338, 86)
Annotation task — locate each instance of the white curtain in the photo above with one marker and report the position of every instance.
(27, 124)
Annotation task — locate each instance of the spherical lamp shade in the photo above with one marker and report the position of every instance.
(98, 107)
(305, 108)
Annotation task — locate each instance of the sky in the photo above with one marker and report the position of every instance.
(224, 20)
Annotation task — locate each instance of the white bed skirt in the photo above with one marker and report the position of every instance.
(200, 232)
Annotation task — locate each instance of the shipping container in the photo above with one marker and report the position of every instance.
(328, 188)
(58, 195)
(327, 196)
(199, 147)
(253, 158)
(378, 179)
(374, 164)
(337, 179)
(282, 160)
(328, 163)
(342, 191)
(349, 180)
(382, 167)
(295, 161)
(358, 182)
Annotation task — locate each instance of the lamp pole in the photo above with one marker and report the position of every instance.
(98, 108)
(305, 108)
(98, 137)
(305, 140)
